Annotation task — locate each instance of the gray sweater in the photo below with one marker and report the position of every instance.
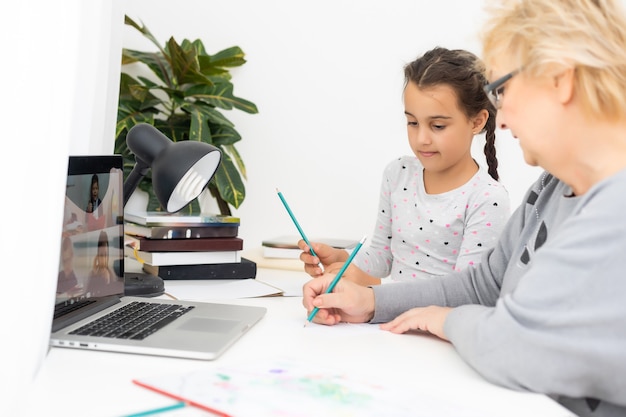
(545, 310)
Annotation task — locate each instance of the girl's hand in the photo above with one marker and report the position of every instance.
(325, 254)
(429, 319)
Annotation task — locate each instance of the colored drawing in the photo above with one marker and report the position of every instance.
(279, 390)
(292, 389)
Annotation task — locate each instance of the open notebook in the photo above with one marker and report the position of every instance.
(91, 311)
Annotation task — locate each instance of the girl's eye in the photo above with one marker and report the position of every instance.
(411, 123)
(439, 127)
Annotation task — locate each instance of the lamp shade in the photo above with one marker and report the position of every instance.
(180, 170)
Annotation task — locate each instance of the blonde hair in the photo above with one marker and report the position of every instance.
(587, 35)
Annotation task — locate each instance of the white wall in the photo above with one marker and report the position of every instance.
(327, 78)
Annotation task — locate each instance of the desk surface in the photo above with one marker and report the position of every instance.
(74, 382)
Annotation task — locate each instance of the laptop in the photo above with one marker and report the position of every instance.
(91, 311)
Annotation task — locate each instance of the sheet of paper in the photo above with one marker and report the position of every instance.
(291, 285)
(346, 329)
(290, 388)
(231, 289)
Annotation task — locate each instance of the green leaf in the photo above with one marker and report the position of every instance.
(209, 113)
(207, 68)
(153, 201)
(185, 64)
(128, 121)
(148, 83)
(224, 135)
(230, 57)
(198, 45)
(229, 183)
(135, 97)
(157, 63)
(144, 30)
(245, 105)
(216, 96)
(232, 151)
(221, 95)
(191, 208)
(176, 128)
(221, 77)
(199, 130)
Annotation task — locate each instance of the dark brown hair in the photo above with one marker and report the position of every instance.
(464, 72)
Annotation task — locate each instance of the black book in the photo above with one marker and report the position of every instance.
(239, 270)
(207, 244)
(181, 232)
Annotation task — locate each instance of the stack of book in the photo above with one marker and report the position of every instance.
(175, 246)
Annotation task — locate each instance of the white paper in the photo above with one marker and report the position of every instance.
(221, 289)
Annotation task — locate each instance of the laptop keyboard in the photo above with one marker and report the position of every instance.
(135, 321)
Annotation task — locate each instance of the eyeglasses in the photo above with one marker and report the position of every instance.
(495, 90)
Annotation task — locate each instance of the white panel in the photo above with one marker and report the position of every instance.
(97, 78)
(46, 102)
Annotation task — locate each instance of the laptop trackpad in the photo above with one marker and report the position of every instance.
(209, 325)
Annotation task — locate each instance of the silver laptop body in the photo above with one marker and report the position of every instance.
(91, 285)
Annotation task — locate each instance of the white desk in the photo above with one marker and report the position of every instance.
(88, 383)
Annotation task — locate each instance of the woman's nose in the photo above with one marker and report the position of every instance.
(500, 121)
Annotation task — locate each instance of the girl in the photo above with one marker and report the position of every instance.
(94, 196)
(439, 210)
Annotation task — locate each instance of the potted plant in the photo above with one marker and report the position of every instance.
(185, 102)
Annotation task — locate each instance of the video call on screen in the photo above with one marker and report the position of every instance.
(91, 258)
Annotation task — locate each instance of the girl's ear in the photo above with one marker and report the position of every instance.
(479, 121)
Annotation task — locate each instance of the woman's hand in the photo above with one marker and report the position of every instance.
(349, 302)
(429, 319)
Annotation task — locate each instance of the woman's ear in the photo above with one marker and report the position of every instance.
(479, 121)
(564, 84)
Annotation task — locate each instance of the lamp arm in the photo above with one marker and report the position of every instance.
(134, 178)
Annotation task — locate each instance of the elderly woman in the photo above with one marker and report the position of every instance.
(545, 310)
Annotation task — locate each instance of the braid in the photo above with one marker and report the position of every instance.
(490, 145)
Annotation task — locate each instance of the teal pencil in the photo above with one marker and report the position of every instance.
(293, 218)
(332, 285)
(158, 410)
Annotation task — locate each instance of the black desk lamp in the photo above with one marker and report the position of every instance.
(180, 172)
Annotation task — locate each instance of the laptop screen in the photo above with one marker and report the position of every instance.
(91, 262)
